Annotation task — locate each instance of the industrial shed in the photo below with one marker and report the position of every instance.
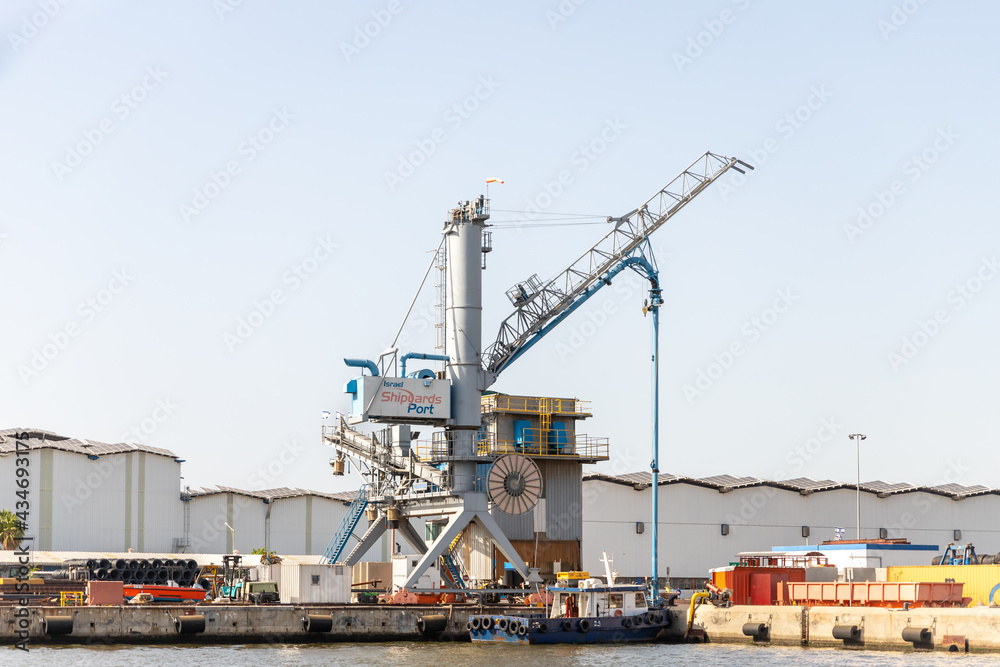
(705, 522)
(88, 495)
(91, 496)
(289, 521)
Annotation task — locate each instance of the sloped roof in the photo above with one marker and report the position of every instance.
(38, 439)
(803, 485)
(275, 494)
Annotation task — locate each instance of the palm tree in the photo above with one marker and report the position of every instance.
(11, 529)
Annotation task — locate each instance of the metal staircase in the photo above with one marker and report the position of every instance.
(347, 526)
(451, 565)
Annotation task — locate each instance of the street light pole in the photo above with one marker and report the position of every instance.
(233, 531)
(857, 438)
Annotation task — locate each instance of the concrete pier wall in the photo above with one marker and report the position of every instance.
(272, 623)
(972, 629)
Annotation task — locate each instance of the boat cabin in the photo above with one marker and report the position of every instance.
(594, 598)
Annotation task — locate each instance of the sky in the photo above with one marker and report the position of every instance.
(208, 205)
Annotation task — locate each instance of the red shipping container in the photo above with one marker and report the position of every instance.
(764, 587)
(105, 592)
(742, 582)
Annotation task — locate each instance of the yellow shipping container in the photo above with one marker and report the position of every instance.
(979, 580)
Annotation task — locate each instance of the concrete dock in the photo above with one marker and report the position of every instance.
(975, 629)
(963, 629)
(151, 624)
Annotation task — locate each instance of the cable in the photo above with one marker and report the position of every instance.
(601, 218)
(538, 225)
(580, 215)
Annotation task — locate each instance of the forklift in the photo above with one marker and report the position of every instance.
(228, 582)
(955, 554)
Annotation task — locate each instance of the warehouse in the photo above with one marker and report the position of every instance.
(87, 495)
(90, 496)
(288, 521)
(705, 522)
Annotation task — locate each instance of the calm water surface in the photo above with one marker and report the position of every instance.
(456, 655)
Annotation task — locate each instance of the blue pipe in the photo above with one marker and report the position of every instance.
(654, 305)
(363, 363)
(420, 355)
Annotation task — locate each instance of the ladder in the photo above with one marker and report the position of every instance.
(545, 421)
(451, 567)
(347, 526)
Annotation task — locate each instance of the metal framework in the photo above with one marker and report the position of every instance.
(409, 483)
(542, 306)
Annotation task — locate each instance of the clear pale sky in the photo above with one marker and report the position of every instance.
(169, 169)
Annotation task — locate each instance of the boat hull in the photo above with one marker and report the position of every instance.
(167, 593)
(540, 630)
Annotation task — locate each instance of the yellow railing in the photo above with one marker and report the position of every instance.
(428, 450)
(563, 444)
(578, 447)
(70, 598)
(535, 405)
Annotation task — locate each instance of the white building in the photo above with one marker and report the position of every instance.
(87, 496)
(90, 496)
(289, 521)
(704, 523)
(84, 495)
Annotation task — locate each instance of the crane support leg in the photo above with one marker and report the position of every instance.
(411, 536)
(368, 540)
(454, 528)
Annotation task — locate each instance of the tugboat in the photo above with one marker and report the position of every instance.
(584, 610)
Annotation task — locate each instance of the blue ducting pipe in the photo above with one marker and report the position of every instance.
(420, 355)
(363, 363)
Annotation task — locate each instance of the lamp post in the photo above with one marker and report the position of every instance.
(233, 531)
(857, 438)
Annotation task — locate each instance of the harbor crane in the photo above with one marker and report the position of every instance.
(403, 485)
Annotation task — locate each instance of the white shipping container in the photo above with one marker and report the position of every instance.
(328, 584)
(402, 566)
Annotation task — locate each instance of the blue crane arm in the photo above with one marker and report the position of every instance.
(638, 262)
(541, 307)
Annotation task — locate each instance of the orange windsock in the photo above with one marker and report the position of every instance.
(494, 180)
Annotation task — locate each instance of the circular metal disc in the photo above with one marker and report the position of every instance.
(514, 483)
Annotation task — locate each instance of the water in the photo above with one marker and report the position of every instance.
(460, 655)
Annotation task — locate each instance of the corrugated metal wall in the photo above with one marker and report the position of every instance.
(109, 503)
(691, 517)
(563, 495)
(979, 580)
(476, 552)
(562, 489)
(515, 526)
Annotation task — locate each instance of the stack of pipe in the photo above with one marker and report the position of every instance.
(182, 571)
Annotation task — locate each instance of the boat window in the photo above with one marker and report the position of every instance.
(616, 600)
(640, 600)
